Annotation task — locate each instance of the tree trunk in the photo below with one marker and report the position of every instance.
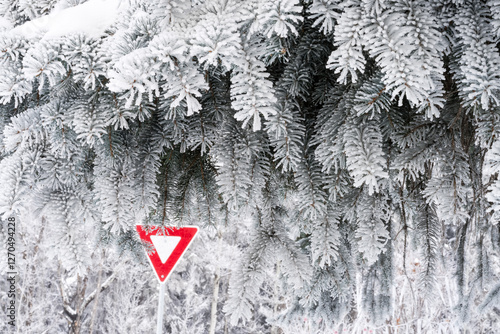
(76, 325)
(98, 292)
(215, 297)
(274, 329)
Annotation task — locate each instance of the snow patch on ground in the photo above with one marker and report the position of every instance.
(90, 18)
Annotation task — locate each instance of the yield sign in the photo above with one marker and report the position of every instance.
(168, 246)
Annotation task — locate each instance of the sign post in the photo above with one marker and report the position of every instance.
(165, 246)
(161, 303)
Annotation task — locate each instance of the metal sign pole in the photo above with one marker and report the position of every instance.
(159, 325)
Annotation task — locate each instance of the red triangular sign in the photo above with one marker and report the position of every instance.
(169, 244)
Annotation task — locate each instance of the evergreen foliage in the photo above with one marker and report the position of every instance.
(342, 159)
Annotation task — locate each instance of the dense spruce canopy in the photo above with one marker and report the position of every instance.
(341, 159)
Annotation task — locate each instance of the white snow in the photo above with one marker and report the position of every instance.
(5, 24)
(90, 18)
(165, 245)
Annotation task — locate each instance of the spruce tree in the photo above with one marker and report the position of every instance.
(341, 158)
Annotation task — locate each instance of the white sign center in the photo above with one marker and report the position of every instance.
(165, 245)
